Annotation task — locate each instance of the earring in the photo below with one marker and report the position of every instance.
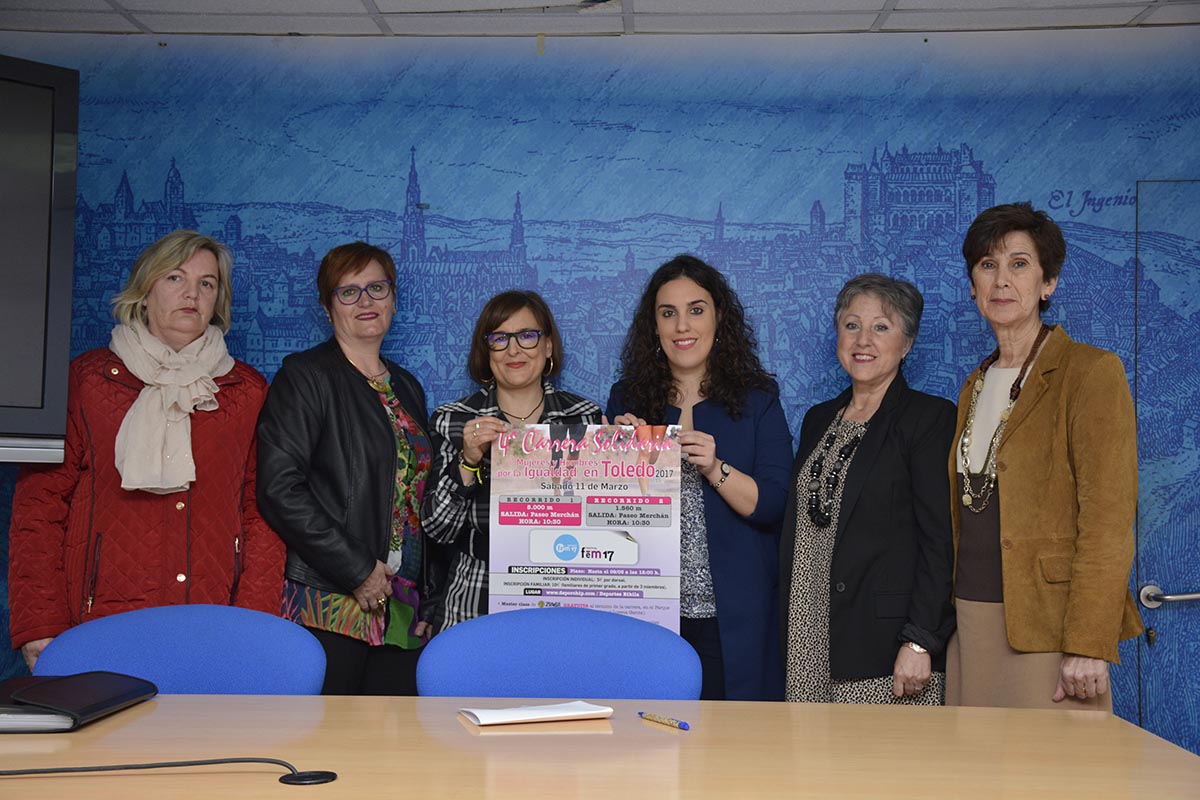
(549, 370)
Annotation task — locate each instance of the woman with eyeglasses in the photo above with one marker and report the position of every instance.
(515, 353)
(343, 460)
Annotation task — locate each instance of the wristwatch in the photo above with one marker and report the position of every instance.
(725, 470)
(916, 648)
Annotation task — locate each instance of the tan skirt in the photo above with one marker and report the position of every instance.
(983, 670)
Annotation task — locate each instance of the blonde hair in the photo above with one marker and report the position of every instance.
(165, 256)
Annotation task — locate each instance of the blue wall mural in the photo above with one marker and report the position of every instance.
(791, 163)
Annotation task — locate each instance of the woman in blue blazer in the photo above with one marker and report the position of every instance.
(689, 359)
(867, 559)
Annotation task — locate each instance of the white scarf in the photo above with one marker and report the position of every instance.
(154, 443)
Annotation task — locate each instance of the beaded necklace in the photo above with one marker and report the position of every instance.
(988, 485)
(820, 512)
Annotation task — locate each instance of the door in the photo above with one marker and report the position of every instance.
(1167, 395)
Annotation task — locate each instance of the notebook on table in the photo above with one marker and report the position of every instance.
(52, 704)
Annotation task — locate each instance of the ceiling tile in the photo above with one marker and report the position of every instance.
(1008, 19)
(1007, 5)
(69, 21)
(56, 5)
(753, 6)
(578, 17)
(1174, 14)
(497, 24)
(419, 6)
(245, 6)
(752, 23)
(277, 25)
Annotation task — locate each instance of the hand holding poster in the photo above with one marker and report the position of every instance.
(586, 515)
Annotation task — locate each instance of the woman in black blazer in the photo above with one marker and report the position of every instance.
(867, 557)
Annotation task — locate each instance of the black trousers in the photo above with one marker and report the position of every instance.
(355, 667)
(705, 638)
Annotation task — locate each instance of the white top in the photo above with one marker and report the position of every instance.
(993, 399)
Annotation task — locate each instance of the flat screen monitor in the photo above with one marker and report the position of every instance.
(39, 127)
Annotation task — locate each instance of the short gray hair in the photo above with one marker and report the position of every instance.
(898, 297)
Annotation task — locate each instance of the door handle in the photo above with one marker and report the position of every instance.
(1152, 596)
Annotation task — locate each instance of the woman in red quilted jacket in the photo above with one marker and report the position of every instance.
(154, 503)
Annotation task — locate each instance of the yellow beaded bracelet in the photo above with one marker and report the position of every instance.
(477, 468)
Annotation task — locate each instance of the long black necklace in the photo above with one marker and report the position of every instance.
(821, 511)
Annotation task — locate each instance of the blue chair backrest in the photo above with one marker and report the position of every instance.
(559, 652)
(194, 649)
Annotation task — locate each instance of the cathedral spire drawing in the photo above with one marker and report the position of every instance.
(516, 241)
(123, 199)
(412, 239)
(173, 201)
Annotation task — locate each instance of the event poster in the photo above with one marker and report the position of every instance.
(586, 515)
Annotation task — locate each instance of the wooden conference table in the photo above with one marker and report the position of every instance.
(420, 748)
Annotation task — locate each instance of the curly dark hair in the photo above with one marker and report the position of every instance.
(733, 367)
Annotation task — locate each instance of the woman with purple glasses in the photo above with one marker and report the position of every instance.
(515, 353)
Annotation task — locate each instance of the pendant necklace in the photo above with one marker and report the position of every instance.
(821, 512)
(988, 485)
(541, 400)
(378, 381)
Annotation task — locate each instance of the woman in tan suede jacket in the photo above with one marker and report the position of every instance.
(1045, 465)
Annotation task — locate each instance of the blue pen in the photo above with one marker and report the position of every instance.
(661, 720)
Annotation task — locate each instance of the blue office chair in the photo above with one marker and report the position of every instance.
(194, 649)
(559, 652)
